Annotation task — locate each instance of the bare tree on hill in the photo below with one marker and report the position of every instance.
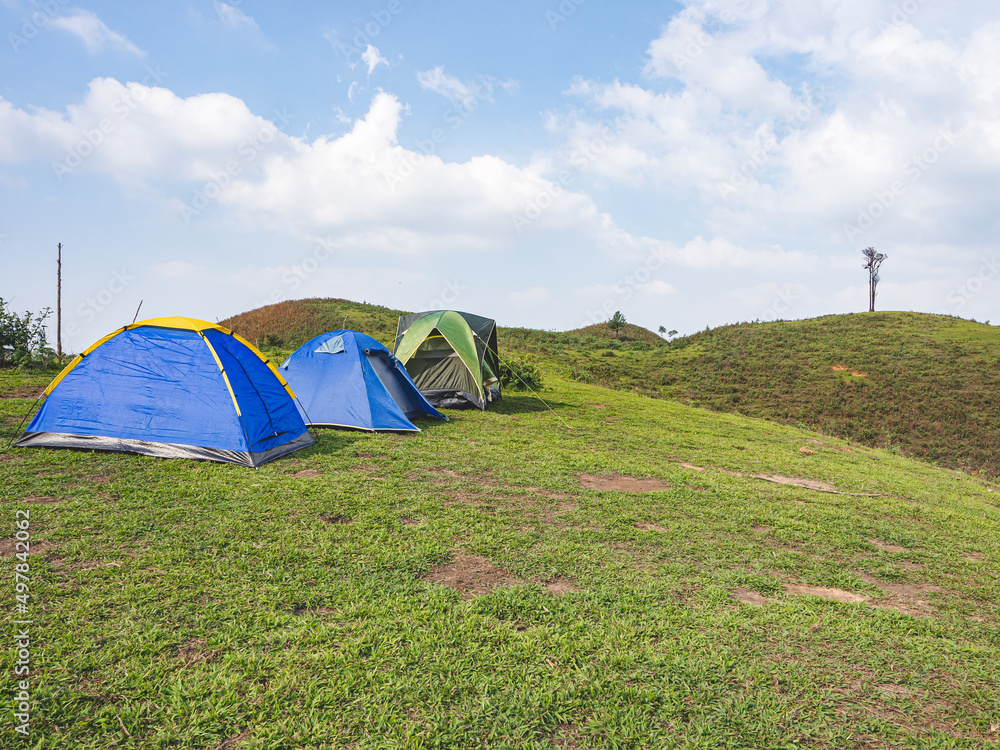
(873, 260)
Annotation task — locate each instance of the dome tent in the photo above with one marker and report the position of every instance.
(173, 388)
(348, 379)
(451, 356)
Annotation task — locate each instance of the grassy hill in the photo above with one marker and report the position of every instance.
(288, 325)
(618, 572)
(926, 385)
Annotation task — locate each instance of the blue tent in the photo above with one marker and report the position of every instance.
(174, 388)
(348, 379)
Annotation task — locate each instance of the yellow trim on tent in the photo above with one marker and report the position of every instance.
(184, 324)
(225, 377)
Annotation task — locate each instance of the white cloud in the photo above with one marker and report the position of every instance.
(234, 18)
(463, 93)
(726, 119)
(373, 58)
(92, 31)
(211, 159)
(448, 86)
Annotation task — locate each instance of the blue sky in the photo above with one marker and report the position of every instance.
(544, 163)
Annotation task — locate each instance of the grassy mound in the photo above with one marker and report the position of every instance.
(923, 384)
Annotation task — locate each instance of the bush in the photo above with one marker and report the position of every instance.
(273, 341)
(516, 374)
(22, 338)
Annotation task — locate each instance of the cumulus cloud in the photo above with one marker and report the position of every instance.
(92, 31)
(210, 158)
(864, 115)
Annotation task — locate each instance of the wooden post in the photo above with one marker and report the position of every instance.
(59, 304)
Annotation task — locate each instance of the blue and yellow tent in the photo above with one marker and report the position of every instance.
(173, 388)
(348, 379)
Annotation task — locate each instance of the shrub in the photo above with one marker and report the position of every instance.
(22, 337)
(517, 374)
(273, 341)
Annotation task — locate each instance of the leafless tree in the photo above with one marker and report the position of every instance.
(873, 260)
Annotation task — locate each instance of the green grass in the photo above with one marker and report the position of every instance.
(199, 605)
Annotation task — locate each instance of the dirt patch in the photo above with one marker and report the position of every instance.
(549, 493)
(42, 500)
(761, 529)
(908, 598)
(561, 586)
(807, 451)
(99, 479)
(306, 474)
(854, 373)
(566, 736)
(194, 652)
(834, 595)
(809, 484)
(8, 547)
(233, 742)
(747, 596)
(686, 465)
(974, 557)
(598, 406)
(470, 574)
(886, 546)
(22, 391)
(409, 521)
(900, 690)
(618, 483)
(337, 518)
(651, 527)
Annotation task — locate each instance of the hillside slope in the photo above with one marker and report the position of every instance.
(925, 385)
(655, 576)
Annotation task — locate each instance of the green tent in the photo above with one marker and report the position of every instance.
(451, 356)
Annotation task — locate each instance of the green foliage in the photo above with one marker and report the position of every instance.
(22, 337)
(273, 341)
(518, 374)
(617, 322)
